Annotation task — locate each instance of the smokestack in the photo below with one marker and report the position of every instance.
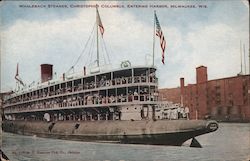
(46, 72)
(84, 70)
(182, 83)
(201, 74)
(63, 76)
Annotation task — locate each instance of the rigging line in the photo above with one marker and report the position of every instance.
(82, 50)
(88, 53)
(86, 44)
(106, 50)
(91, 50)
(103, 54)
(89, 56)
(93, 56)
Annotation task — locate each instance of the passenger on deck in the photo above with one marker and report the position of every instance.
(143, 78)
(135, 93)
(136, 79)
(102, 82)
(100, 99)
(119, 98)
(130, 97)
(123, 80)
(92, 84)
(104, 99)
(118, 81)
(112, 99)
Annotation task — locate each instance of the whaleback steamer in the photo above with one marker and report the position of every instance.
(120, 106)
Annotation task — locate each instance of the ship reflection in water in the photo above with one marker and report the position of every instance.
(229, 142)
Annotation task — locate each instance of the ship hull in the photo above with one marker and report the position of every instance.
(161, 132)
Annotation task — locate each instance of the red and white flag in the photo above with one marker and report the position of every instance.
(17, 76)
(99, 22)
(159, 33)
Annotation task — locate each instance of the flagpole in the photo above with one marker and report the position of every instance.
(249, 61)
(240, 58)
(97, 45)
(154, 41)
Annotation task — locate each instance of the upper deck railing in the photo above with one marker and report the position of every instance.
(82, 88)
(85, 102)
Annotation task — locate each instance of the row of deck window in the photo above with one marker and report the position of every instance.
(82, 101)
(68, 87)
(70, 117)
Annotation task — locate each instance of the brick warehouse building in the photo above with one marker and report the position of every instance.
(226, 99)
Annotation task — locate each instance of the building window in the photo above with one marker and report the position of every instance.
(219, 111)
(231, 102)
(217, 87)
(245, 100)
(229, 110)
(218, 102)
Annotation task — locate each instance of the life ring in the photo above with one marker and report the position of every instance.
(107, 83)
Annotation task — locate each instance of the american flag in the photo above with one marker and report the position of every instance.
(99, 22)
(161, 36)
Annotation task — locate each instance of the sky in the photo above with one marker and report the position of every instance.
(208, 35)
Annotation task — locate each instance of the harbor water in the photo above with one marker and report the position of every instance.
(231, 142)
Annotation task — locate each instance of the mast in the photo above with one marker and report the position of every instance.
(0, 69)
(97, 45)
(154, 41)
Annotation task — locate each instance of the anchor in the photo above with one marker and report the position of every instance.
(51, 126)
(195, 144)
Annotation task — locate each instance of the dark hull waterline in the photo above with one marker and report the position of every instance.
(161, 132)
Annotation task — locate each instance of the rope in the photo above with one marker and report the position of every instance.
(79, 57)
(106, 50)
(90, 52)
(91, 49)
